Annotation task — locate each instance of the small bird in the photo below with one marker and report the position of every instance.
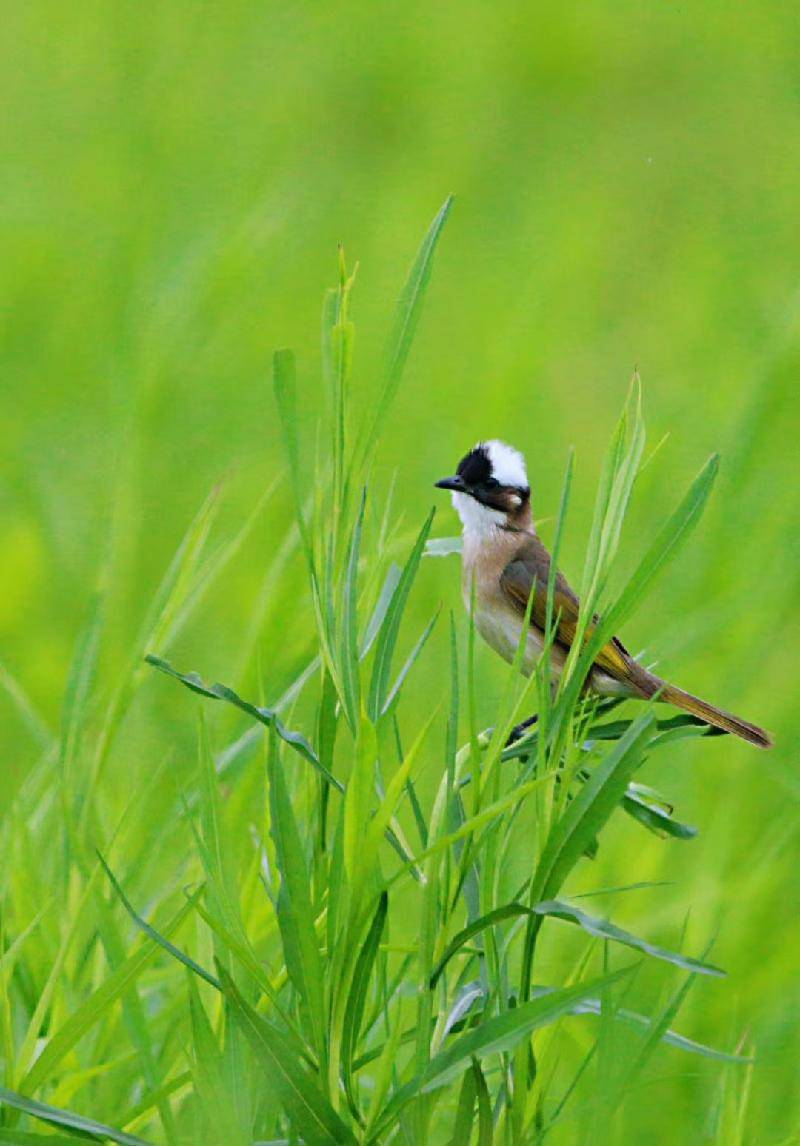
(505, 559)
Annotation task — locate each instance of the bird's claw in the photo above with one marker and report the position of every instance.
(519, 730)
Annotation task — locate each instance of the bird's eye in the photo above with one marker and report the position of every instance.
(491, 483)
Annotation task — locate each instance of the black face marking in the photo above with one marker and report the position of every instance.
(475, 468)
(476, 479)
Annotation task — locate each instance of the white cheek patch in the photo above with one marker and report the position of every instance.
(476, 518)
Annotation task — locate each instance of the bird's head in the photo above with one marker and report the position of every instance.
(490, 488)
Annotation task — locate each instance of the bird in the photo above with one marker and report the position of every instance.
(506, 561)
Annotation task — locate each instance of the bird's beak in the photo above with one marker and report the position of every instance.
(454, 483)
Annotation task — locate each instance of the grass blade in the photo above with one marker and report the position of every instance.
(265, 716)
(311, 1114)
(67, 1119)
(603, 929)
(387, 638)
(496, 1035)
(354, 1010)
(156, 936)
(295, 913)
(409, 308)
(574, 832)
(94, 1007)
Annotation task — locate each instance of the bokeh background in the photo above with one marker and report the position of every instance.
(176, 178)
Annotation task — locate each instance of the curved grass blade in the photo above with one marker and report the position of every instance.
(602, 929)
(683, 721)
(588, 812)
(311, 1114)
(669, 538)
(354, 1012)
(656, 819)
(669, 1037)
(387, 638)
(67, 1119)
(350, 676)
(295, 913)
(407, 314)
(266, 716)
(375, 623)
(490, 919)
(95, 1006)
(501, 1033)
(462, 1127)
(410, 661)
(269, 719)
(466, 999)
(151, 932)
(24, 1138)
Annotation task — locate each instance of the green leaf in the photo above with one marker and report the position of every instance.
(265, 716)
(588, 812)
(83, 1018)
(66, 1118)
(656, 819)
(351, 681)
(295, 913)
(354, 1011)
(672, 534)
(410, 661)
(285, 387)
(206, 1071)
(462, 1127)
(387, 638)
(409, 308)
(311, 1115)
(490, 919)
(602, 929)
(665, 1035)
(485, 1120)
(375, 623)
(495, 1036)
(151, 932)
(443, 546)
(268, 718)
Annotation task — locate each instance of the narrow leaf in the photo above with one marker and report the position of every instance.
(602, 929)
(67, 1119)
(311, 1115)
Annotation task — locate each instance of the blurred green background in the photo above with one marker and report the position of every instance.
(176, 179)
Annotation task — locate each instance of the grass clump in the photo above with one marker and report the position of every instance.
(275, 996)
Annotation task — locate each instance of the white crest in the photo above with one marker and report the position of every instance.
(508, 464)
(508, 468)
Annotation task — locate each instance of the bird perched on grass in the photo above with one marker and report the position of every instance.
(505, 560)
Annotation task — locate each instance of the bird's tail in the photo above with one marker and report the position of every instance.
(671, 694)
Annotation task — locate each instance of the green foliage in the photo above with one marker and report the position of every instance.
(376, 882)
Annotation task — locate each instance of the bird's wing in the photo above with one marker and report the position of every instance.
(529, 572)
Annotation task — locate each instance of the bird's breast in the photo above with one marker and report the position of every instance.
(502, 630)
(496, 619)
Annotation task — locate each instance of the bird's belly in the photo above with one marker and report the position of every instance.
(502, 631)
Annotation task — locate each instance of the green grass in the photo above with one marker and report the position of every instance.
(218, 913)
(274, 985)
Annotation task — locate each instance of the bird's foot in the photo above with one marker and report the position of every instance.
(519, 730)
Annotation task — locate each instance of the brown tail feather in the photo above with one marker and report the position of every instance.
(671, 694)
